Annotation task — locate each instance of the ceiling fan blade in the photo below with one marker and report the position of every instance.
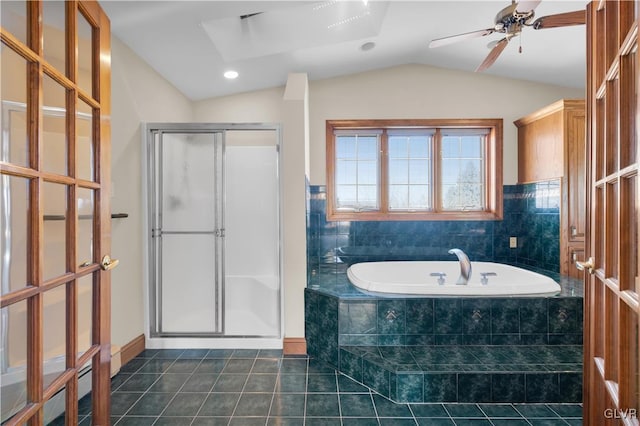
(493, 55)
(567, 19)
(527, 5)
(456, 38)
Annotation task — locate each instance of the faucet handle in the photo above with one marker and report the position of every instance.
(440, 276)
(484, 280)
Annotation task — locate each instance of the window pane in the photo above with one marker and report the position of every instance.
(398, 147)
(84, 299)
(450, 147)
(346, 147)
(367, 173)
(54, 332)
(357, 169)
(346, 196)
(471, 146)
(13, 93)
(85, 54)
(84, 143)
(399, 197)
(398, 172)
(419, 146)
(368, 196)
(54, 134)
(13, 17)
(409, 166)
(53, 30)
(419, 197)
(419, 172)
(14, 239)
(470, 171)
(346, 172)
(13, 320)
(450, 171)
(463, 164)
(367, 148)
(85, 225)
(462, 197)
(54, 231)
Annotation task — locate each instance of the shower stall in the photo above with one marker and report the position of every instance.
(213, 227)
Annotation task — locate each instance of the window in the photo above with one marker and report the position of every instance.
(414, 169)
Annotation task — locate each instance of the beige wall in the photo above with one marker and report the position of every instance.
(420, 91)
(139, 95)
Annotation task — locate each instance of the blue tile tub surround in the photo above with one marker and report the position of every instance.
(531, 213)
(441, 321)
(443, 349)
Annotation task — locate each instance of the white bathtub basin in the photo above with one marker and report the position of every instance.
(414, 277)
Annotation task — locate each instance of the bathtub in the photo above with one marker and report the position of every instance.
(414, 277)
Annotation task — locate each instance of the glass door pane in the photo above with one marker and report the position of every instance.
(251, 297)
(188, 182)
(188, 230)
(188, 292)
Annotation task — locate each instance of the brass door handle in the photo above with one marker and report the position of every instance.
(108, 264)
(589, 265)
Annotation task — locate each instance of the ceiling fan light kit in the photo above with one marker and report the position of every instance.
(510, 21)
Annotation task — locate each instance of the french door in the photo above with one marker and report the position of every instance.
(55, 213)
(612, 290)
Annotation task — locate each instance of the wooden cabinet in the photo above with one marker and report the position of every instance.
(551, 145)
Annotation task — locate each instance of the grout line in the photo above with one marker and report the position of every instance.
(273, 393)
(178, 391)
(375, 409)
(306, 393)
(146, 390)
(242, 390)
(335, 376)
(224, 364)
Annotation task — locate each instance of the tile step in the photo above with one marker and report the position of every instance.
(542, 373)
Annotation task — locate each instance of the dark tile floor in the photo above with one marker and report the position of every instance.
(261, 387)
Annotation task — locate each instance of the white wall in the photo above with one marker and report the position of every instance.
(420, 91)
(138, 94)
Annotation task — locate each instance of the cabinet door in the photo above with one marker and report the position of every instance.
(575, 175)
(540, 138)
(576, 254)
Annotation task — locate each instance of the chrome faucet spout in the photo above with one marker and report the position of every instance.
(465, 266)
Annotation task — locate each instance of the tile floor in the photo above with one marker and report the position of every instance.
(261, 387)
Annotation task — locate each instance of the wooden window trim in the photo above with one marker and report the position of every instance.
(493, 170)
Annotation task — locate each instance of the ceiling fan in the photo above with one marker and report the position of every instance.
(510, 21)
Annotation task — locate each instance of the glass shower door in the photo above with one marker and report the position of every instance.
(187, 233)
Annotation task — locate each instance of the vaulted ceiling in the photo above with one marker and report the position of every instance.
(192, 43)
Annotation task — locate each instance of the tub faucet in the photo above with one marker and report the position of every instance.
(465, 266)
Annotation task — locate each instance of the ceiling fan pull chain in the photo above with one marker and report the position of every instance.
(520, 40)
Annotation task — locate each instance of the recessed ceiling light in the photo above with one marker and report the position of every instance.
(231, 74)
(367, 46)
